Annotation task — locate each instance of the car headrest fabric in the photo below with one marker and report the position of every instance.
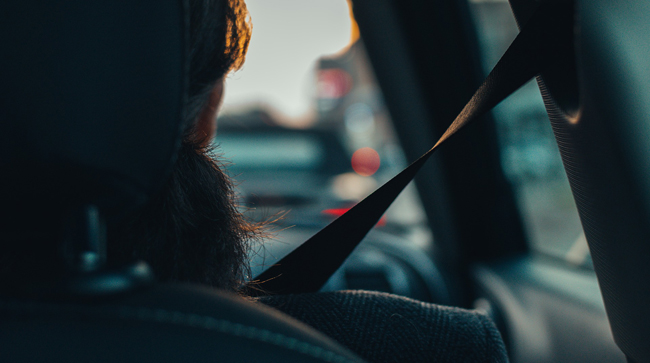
(91, 100)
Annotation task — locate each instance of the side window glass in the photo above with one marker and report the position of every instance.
(529, 153)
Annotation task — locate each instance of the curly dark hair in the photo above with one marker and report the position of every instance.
(192, 231)
(218, 45)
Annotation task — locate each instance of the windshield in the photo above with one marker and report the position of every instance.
(273, 151)
(309, 140)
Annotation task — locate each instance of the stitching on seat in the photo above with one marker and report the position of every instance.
(196, 321)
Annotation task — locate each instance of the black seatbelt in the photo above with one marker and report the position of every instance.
(308, 267)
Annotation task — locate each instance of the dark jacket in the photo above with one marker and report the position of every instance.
(381, 327)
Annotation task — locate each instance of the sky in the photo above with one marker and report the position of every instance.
(288, 37)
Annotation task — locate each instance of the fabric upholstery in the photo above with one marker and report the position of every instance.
(386, 328)
(165, 323)
(91, 102)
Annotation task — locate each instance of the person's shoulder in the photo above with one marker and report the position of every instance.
(382, 327)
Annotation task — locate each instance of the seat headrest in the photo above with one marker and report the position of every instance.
(91, 99)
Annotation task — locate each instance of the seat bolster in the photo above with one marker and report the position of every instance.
(167, 323)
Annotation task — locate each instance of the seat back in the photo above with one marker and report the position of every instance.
(164, 323)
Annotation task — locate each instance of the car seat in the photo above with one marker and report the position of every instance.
(91, 103)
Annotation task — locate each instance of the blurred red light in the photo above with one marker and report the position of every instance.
(365, 161)
(337, 212)
(333, 83)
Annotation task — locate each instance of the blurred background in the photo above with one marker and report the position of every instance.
(307, 135)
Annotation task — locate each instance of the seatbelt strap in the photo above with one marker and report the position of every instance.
(308, 267)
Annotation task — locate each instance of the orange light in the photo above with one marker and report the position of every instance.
(354, 31)
(365, 161)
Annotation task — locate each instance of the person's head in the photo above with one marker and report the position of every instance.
(219, 35)
(192, 231)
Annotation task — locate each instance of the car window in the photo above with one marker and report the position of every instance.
(529, 153)
(305, 131)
